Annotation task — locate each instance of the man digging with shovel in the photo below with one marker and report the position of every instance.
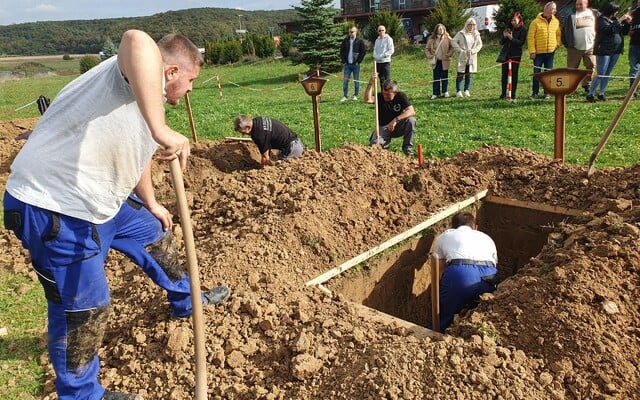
(68, 197)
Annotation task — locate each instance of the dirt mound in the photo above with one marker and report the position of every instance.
(565, 326)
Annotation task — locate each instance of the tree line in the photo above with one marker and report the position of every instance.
(89, 36)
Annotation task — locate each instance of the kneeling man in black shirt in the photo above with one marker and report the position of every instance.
(267, 134)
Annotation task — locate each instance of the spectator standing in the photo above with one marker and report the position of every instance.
(634, 44)
(68, 197)
(468, 258)
(512, 41)
(268, 133)
(352, 53)
(543, 39)
(438, 51)
(382, 51)
(466, 43)
(578, 36)
(609, 45)
(396, 116)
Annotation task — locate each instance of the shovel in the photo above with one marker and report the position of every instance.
(612, 125)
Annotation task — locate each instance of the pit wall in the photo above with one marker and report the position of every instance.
(398, 282)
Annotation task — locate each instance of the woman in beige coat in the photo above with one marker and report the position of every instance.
(438, 52)
(466, 43)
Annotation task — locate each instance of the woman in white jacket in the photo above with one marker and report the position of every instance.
(466, 43)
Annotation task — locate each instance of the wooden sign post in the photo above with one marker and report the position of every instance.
(313, 86)
(560, 82)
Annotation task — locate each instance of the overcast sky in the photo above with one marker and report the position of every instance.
(14, 12)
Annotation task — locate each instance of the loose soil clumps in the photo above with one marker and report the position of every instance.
(565, 326)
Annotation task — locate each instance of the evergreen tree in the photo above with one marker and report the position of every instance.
(451, 13)
(319, 41)
(529, 9)
(109, 49)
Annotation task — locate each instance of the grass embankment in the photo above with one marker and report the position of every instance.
(271, 88)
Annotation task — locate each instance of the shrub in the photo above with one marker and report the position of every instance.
(231, 52)
(286, 42)
(67, 57)
(88, 62)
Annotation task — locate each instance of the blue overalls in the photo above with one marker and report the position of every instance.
(68, 255)
(461, 285)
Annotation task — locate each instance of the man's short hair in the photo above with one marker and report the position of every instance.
(390, 85)
(241, 122)
(463, 218)
(178, 49)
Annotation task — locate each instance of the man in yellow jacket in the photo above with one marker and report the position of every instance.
(543, 39)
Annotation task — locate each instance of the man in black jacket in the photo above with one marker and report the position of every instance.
(352, 53)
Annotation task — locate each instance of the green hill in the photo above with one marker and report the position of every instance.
(88, 36)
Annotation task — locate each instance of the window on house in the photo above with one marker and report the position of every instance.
(374, 5)
(401, 4)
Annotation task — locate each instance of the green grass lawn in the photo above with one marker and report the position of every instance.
(271, 88)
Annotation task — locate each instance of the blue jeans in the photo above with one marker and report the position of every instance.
(68, 256)
(348, 70)
(460, 286)
(467, 79)
(440, 79)
(604, 66)
(542, 60)
(634, 62)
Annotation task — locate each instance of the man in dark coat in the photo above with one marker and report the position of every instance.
(352, 53)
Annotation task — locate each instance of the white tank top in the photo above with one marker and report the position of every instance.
(88, 151)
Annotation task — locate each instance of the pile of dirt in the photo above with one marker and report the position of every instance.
(566, 326)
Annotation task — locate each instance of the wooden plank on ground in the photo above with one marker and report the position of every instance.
(534, 206)
(238, 139)
(439, 216)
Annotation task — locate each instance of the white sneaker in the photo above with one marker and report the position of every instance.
(343, 100)
(458, 94)
(446, 95)
(355, 98)
(467, 94)
(434, 97)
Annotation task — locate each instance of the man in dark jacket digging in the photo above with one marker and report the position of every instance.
(268, 133)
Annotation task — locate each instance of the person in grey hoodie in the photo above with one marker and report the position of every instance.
(382, 51)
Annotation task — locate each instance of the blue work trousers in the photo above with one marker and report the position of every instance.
(460, 287)
(68, 255)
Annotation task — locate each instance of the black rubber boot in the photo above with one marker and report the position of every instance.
(120, 396)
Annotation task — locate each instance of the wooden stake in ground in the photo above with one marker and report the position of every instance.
(194, 281)
(435, 291)
(375, 100)
(612, 126)
(193, 125)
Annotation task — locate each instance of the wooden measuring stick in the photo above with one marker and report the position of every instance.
(435, 291)
(193, 125)
(194, 281)
(612, 126)
(375, 101)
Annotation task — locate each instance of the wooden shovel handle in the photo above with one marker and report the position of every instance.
(194, 281)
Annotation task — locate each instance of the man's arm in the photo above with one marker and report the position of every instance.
(368, 92)
(266, 158)
(144, 190)
(140, 61)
